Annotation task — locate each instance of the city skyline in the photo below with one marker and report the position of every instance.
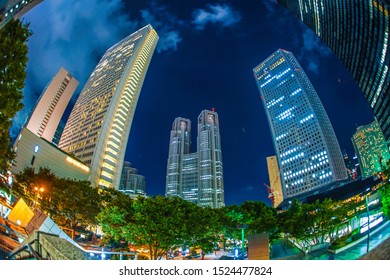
(198, 64)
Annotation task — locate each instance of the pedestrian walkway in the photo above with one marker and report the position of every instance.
(283, 250)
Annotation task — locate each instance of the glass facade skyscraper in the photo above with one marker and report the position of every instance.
(357, 31)
(196, 177)
(179, 145)
(98, 127)
(131, 182)
(306, 146)
(211, 191)
(371, 148)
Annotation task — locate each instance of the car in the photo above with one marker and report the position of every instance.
(188, 257)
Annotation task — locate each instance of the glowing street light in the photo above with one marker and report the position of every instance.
(37, 191)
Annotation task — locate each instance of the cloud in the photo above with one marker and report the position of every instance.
(75, 34)
(249, 188)
(270, 5)
(221, 14)
(312, 50)
(166, 24)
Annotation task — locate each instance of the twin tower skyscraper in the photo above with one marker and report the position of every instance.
(196, 177)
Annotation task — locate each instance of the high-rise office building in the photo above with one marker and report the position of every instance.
(179, 145)
(58, 133)
(352, 166)
(98, 127)
(306, 146)
(44, 119)
(196, 177)
(371, 148)
(357, 31)
(15, 9)
(211, 191)
(131, 182)
(275, 188)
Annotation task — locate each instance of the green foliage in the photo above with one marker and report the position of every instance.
(160, 223)
(314, 223)
(385, 194)
(69, 202)
(13, 53)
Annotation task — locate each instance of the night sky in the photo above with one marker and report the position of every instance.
(204, 59)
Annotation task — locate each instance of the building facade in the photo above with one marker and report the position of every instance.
(36, 152)
(275, 188)
(179, 145)
(196, 177)
(15, 9)
(309, 157)
(58, 133)
(131, 182)
(211, 190)
(371, 149)
(98, 127)
(357, 31)
(352, 165)
(50, 107)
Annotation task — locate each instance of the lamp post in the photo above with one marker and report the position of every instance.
(242, 227)
(368, 224)
(37, 191)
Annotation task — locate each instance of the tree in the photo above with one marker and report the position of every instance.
(385, 190)
(27, 180)
(69, 202)
(259, 217)
(74, 203)
(206, 229)
(159, 223)
(315, 223)
(13, 53)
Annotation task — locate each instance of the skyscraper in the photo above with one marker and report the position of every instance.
(371, 148)
(98, 127)
(48, 111)
(196, 177)
(275, 191)
(131, 182)
(211, 191)
(357, 31)
(179, 145)
(306, 146)
(15, 9)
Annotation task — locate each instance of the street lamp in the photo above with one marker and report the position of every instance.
(242, 227)
(366, 194)
(368, 224)
(37, 191)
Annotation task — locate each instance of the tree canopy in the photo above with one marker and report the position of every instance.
(13, 53)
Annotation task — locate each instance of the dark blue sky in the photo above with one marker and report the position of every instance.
(204, 59)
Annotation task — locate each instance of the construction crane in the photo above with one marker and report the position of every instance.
(271, 195)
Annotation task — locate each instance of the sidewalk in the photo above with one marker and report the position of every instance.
(284, 250)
